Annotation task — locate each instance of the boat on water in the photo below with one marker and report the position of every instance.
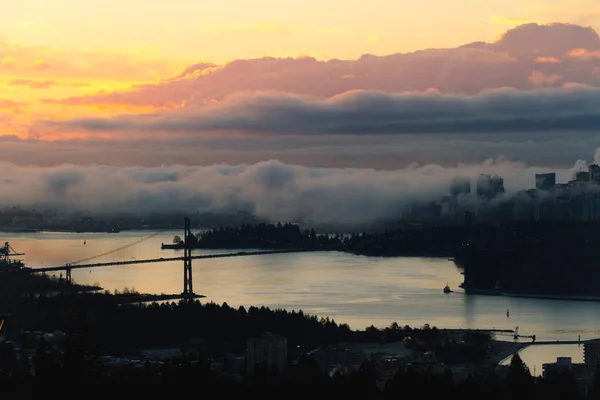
(7, 263)
(447, 289)
(178, 243)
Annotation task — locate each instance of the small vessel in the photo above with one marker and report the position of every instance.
(178, 243)
(6, 264)
(447, 289)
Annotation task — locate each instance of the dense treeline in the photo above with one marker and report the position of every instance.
(16, 284)
(512, 235)
(433, 240)
(544, 258)
(115, 328)
(118, 327)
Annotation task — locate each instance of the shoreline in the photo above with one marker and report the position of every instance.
(506, 350)
(554, 297)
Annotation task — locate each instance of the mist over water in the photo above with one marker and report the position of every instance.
(270, 190)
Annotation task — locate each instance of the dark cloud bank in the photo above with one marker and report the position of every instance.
(367, 112)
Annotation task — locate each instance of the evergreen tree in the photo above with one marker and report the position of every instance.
(519, 379)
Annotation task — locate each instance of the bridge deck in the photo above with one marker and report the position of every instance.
(164, 259)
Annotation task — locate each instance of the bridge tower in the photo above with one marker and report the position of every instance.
(188, 292)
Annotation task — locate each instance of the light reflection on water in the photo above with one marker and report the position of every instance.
(357, 290)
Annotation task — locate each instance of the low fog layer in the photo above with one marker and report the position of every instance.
(270, 190)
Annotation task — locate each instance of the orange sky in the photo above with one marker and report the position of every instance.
(56, 49)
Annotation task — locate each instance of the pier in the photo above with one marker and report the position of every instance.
(555, 342)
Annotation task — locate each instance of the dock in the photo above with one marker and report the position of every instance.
(555, 342)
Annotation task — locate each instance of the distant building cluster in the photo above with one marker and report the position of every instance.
(268, 349)
(575, 200)
(487, 188)
(582, 372)
(578, 199)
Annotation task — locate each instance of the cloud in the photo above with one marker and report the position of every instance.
(550, 40)
(390, 108)
(538, 78)
(468, 69)
(370, 112)
(32, 83)
(11, 105)
(7, 62)
(270, 189)
(39, 84)
(547, 60)
(583, 54)
(40, 64)
(192, 70)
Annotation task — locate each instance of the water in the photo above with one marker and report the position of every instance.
(357, 290)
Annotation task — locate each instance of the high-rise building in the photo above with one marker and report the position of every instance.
(269, 349)
(582, 176)
(498, 185)
(483, 185)
(594, 171)
(489, 186)
(591, 352)
(545, 181)
(460, 185)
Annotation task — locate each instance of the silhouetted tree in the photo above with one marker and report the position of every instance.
(519, 379)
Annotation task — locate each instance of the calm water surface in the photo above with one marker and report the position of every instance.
(357, 290)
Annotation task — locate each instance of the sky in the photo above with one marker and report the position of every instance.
(291, 92)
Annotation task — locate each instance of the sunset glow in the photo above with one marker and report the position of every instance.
(162, 69)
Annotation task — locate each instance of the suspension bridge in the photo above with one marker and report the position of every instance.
(188, 292)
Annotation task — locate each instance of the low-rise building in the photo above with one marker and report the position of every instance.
(269, 348)
(591, 352)
(582, 372)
